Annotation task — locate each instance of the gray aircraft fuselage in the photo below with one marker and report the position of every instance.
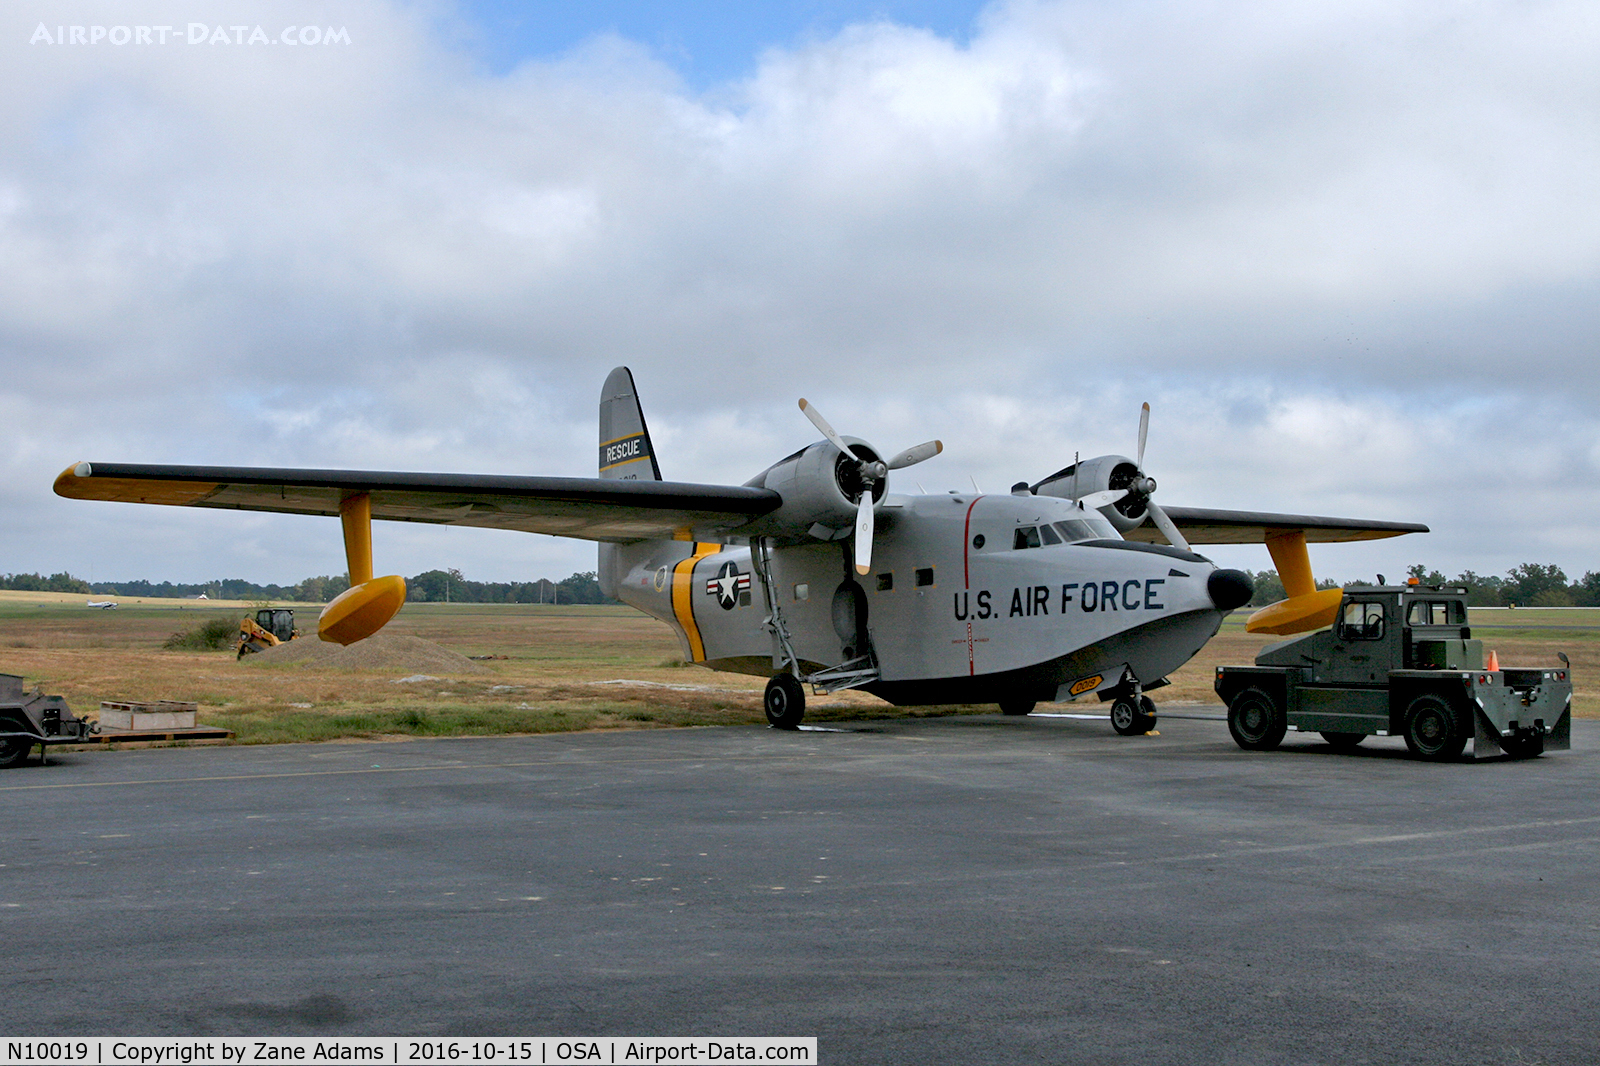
(967, 601)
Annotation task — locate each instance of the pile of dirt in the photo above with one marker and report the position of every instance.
(411, 655)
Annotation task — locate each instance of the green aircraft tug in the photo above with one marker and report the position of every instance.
(1399, 661)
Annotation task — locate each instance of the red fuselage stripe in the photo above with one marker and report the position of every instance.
(966, 581)
(966, 545)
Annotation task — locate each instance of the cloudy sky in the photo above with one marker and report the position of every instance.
(1348, 252)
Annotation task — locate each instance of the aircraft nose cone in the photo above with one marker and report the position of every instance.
(1229, 589)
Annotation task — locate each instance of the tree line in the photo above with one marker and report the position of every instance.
(1525, 585)
(431, 586)
(448, 586)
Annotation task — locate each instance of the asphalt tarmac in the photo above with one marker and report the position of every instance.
(956, 890)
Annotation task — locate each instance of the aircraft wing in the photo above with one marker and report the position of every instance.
(1204, 525)
(585, 508)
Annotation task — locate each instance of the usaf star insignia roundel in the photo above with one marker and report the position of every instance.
(727, 585)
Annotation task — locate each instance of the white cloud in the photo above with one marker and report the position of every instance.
(1350, 253)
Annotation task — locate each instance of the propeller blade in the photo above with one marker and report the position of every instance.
(825, 429)
(912, 456)
(864, 534)
(1168, 528)
(1096, 500)
(1144, 431)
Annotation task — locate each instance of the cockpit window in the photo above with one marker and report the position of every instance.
(1435, 613)
(1069, 531)
(1073, 529)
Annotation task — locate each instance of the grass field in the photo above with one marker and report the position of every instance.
(565, 668)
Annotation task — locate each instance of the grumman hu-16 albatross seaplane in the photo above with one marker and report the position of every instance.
(815, 575)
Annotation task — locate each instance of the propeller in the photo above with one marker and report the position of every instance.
(872, 471)
(1144, 487)
(1096, 500)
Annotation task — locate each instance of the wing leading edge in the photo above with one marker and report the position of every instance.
(584, 508)
(1204, 525)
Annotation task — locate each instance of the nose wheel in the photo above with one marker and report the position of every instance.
(784, 702)
(1133, 716)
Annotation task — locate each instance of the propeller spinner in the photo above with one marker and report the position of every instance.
(870, 472)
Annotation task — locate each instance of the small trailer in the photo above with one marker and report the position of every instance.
(33, 718)
(1398, 661)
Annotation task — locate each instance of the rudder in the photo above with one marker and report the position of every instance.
(626, 453)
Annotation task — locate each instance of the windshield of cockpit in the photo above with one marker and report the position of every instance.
(1068, 531)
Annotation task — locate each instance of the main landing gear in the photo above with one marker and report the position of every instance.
(784, 702)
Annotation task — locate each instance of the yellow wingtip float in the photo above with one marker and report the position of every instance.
(362, 610)
(1307, 607)
(1297, 614)
(368, 604)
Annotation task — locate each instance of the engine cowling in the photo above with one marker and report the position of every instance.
(1098, 474)
(821, 491)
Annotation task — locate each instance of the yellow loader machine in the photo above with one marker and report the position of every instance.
(270, 627)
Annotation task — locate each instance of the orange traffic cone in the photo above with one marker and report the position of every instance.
(1494, 662)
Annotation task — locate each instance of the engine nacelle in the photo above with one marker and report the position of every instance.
(1100, 473)
(821, 490)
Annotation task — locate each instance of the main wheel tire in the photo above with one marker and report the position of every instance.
(1016, 707)
(1433, 729)
(1131, 719)
(784, 702)
(1343, 741)
(13, 750)
(1256, 721)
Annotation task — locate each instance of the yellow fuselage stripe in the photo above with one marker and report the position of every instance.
(683, 599)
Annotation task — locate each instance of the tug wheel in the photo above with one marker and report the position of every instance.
(1433, 729)
(13, 750)
(784, 702)
(1016, 707)
(1132, 719)
(1256, 721)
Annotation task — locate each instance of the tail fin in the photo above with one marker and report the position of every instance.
(625, 449)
